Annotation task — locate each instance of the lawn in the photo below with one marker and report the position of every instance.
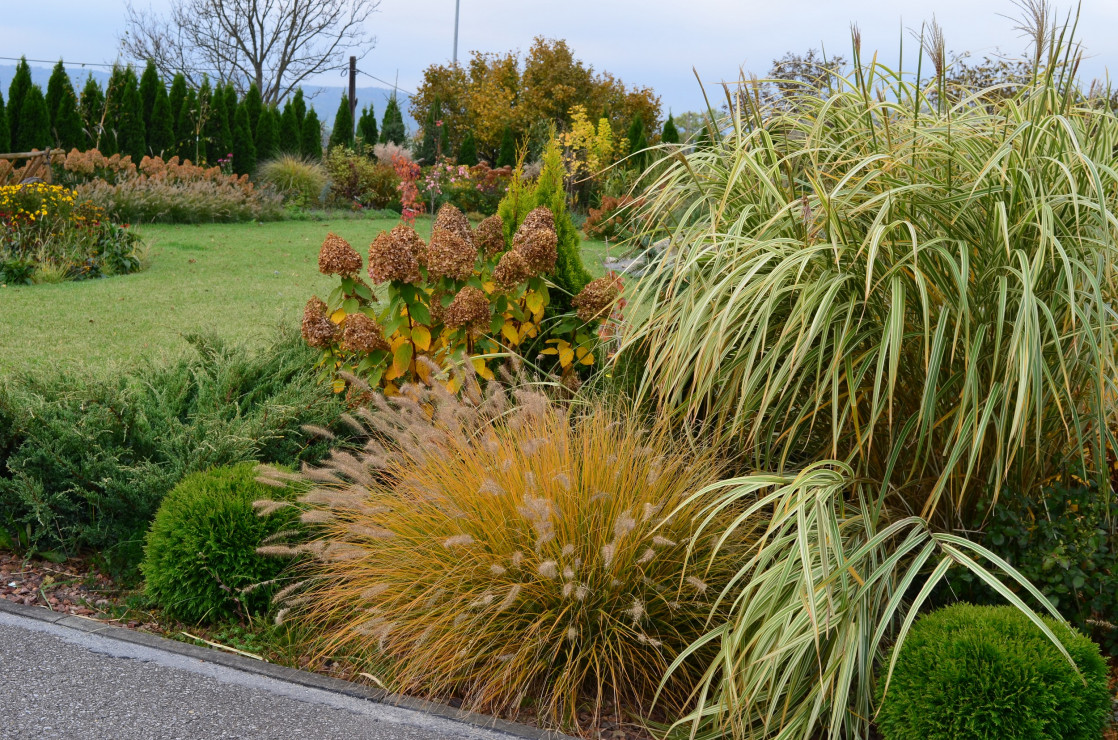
(238, 281)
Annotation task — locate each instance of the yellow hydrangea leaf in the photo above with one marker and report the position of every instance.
(566, 355)
(481, 368)
(339, 385)
(534, 302)
(337, 316)
(421, 336)
(509, 332)
(528, 330)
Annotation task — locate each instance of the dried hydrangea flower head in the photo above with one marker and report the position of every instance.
(596, 300)
(391, 258)
(470, 308)
(362, 334)
(338, 258)
(511, 270)
(318, 329)
(452, 219)
(449, 255)
(490, 235)
(408, 237)
(537, 242)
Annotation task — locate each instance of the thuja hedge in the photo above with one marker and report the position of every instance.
(84, 463)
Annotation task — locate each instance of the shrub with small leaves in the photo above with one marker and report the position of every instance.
(503, 551)
(200, 562)
(989, 672)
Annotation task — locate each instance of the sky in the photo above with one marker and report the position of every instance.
(652, 43)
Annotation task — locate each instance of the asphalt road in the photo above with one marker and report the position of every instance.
(59, 682)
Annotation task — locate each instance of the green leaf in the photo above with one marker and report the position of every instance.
(351, 305)
(363, 291)
(496, 323)
(420, 312)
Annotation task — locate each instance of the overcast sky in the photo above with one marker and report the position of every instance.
(646, 42)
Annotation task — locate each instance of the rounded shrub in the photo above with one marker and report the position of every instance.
(987, 671)
(200, 562)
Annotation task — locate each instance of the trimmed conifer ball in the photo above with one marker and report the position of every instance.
(318, 329)
(391, 258)
(537, 242)
(470, 308)
(511, 270)
(407, 236)
(490, 236)
(449, 255)
(452, 219)
(362, 334)
(337, 257)
(596, 300)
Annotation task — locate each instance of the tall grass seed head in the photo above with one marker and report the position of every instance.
(337, 257)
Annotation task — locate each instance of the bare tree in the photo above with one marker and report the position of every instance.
(275, 43)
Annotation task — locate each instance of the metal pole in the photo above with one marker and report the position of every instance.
(352, 89)
(457, 7)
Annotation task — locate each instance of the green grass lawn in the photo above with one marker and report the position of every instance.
(238, 281)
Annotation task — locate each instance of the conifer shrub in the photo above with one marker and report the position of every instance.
(342, 132)
(310, 137)
(289, 131)
(392, 126)
(200, 561)
(367, 127)
(511, 554)
(984, 671)
(244, 146)
(5, 129)
(267, 135)
(17, 91)
(34, 122)
(467, 151)
(506, 156)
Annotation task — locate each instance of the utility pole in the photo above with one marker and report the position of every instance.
(353, 90)
(457, 7)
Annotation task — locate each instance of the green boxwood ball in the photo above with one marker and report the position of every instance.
(201, 548)
(988, 672)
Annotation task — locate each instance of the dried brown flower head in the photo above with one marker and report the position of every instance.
(451, 219)
(408, 238)
(362, 334)
(537, 242)
(392, 259)
(597, 298)
(338, 258)
(511, 270)
(469, 308)
(449, 255)
(490, 236)
(318, 329)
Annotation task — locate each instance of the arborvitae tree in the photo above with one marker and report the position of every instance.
(58, 82)
(342, 133)
(570, 274)
(184, 126)
(149, 84)
(289, 130)
(17, 91)
(34, 124)
(124, 119)
(367, 125)
(219, 137)
(161, 129)
(92, 109)
(267, 135)
(311, 137)
(244, 148)
(254, 106)
(5, 131)
(704, 140)
(467, 152)
(428, 150)
(66, 120)
(201, 121)
(637, 141)
(669, 135)
(392, 126)
(300, 107)
(230, 111)
(506, 157)
(176, 98)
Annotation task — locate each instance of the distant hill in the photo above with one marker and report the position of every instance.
(324, 99)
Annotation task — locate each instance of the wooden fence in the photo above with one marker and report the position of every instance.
(36, 168)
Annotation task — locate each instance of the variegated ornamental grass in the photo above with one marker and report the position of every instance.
(894, 298)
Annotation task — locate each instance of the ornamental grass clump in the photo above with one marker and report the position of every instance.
(511, 552)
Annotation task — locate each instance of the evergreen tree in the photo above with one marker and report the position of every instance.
(201, 120)
(230, 112)
(92, 109)
(244, 148)
(428, 150)
(17, 92)
(570, 274)
(267, 135)
(311, 136)
(149, 85)
(669, 135)
(34, 124)
(176, 98)
(124, 117)
(161, 128)
(637, 141)
(704, 140)
(289, 130)
(392, 126)
(300, 107)
(367, 125)
(184, 126)
(506, 157)
(5, 132)
(57, 83)
(219, 137)
(467, 152)
(254, 106)
(342, 133)
(67, 120)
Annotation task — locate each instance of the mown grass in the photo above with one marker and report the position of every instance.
(237, 281)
